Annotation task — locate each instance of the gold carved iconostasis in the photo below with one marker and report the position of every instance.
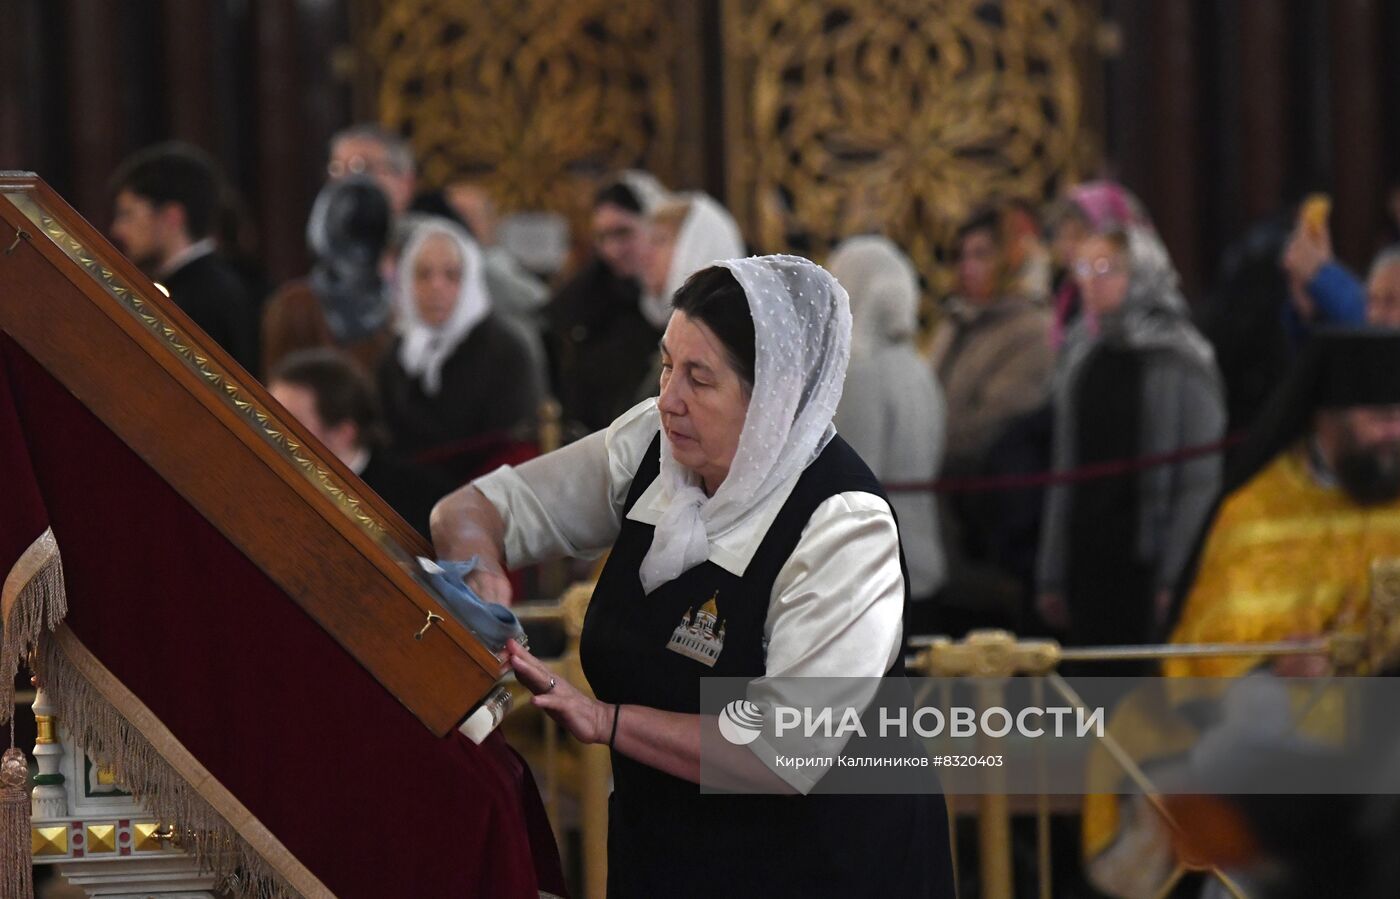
(897, 116)
(829, 118)
(538, 100)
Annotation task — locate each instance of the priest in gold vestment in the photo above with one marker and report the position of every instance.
(1289, 552)
(1315, 501)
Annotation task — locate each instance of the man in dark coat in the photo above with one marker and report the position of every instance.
(166, 204)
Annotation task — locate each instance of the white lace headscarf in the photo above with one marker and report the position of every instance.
(649, 191)
(802, 341)
(884, 289)
(707, 235)
(424, 349)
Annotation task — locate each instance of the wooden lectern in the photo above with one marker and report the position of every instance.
(239, 605)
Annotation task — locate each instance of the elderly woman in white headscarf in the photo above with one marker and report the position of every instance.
(746, 539)
(457, 372)
(892, 411)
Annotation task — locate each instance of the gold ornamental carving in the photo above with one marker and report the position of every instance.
(536, 98)
(895, 116)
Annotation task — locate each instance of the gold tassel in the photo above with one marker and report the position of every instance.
(16, 866)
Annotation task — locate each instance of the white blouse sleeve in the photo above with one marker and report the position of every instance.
(836, 611)
(837, 608)
(569, 502)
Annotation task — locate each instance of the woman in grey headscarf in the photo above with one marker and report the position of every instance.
(892, 410)
(1135, 380)
(343, 303)
(746, 539)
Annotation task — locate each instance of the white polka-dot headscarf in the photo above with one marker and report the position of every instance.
(802, 341)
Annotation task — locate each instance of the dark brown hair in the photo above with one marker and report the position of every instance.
(714, 297)
(342, 389)
(174, 173)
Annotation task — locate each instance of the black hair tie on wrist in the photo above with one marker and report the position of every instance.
(617, 712)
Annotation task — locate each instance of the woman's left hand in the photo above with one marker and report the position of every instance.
(585, 718)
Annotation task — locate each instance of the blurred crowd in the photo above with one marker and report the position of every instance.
(1073, 446)
(419, 349)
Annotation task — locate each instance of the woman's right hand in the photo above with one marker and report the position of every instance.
(491, 584)
(465, 524)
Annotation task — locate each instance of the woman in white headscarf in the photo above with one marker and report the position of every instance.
(892, 411)
(457, 373)
(601, 344)
(686, 233)
(746, 540)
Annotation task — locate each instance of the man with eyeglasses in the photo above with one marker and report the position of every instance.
(379, 153)
(372, 151)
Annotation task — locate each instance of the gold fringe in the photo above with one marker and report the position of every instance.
(248, 860)
(32, 598)
(16, 866)
(95, 724)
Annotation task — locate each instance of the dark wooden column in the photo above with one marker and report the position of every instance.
(1173, 112)
(193, 112)
(19, 107)
(1355, 126)
(1390, 95)
(1262, 43)
(1128, 130)
(326, 78)
(97, 124)
(693, 140)
(282, 192)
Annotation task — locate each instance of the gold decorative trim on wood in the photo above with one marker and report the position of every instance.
(539, 98)
(268, 427)
(898, 117)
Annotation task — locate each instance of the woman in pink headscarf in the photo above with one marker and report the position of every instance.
(1094, 207)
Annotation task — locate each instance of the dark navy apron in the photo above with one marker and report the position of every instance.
(667, 839)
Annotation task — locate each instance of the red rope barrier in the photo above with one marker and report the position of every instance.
(1094, 471)
(990, 484)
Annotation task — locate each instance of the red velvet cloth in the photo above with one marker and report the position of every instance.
(325, 757)
(22, 515)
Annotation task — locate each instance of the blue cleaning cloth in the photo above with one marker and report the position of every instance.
(492, 623)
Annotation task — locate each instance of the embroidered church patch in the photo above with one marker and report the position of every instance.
(700, 635)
